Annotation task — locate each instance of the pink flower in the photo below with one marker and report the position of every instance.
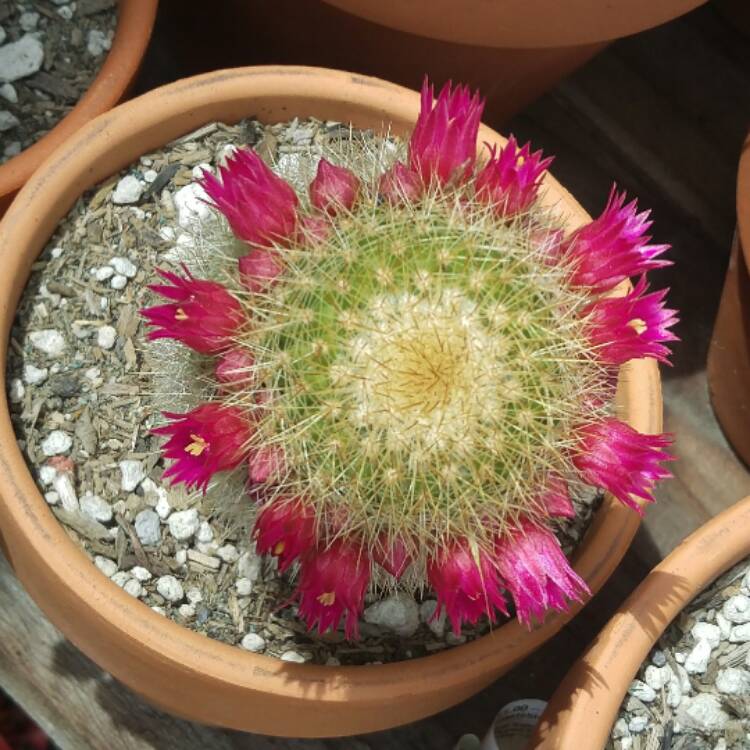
(332, 585)
(511, 180)
(266, 463)
(443, 144)
(260, 207)
(536, 572)
(203, 441)
(313, 230)
(285, 529)
(555, 497)
(630, 327)
(333, 188)
(259, 269)
(400, 185)
(466, 583)
(235, 369)
(613, 246)
(392, 556)
(203, 314)
(614, 456)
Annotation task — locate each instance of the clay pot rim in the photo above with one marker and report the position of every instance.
(31, 531)
(132, 33)
(584, 707)
(743, 200)
(515, 23)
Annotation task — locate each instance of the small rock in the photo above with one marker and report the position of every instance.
(454, 640)
(34, 375)
(52, 498)
(20, 59)
(49, 341)
(106, 337)
(191, 204)
(132, 474)
(8, 92)
(8, 120)
(159, 610)
(186, 610)
(28, 20)
(170, 588)
(16, 391)
(244, 587)
(183, 524)
(118, 281)
(740, 633)
(732, 681)
(96, 508)
(128, 190)
(737, 609)
(121, 578)
(674, 692)
(697, 659)
(293, 656)
(123, 266)
(47, 475)
(255, 643)
(97, 44)
(637, 724)
(102, 273)
(66, 12)
(642, 691)
(12, 149)
(194, 595)
(140, 573)
(657, 677)
(56, 443)
(205, 533)
(150, 175)
(162, 507)
(133, 588)
(702, 712)
(147, 527)
(180, 557)
(725, 627)
(249, 566)
(620, 729)
(107, 566)
(228, 553)
(704, 631)
(398, 613)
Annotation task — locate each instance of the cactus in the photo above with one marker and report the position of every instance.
(424, 365)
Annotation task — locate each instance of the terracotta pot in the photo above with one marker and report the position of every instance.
(173, 667)
(134, 24)
(729, 353)
(584, 708)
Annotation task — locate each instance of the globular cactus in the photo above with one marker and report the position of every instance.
(416, 368)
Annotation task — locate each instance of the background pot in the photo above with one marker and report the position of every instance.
(134, 24)
(512, 50)
(173, 667)
(729, 353)
(584, 708)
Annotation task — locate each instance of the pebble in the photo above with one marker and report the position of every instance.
(642, 691)
(106, 337)
(97, 43)
(121, 578)
(205, 533)
(399, 613)
(255, 643)
(740, 633)
(180, 556)
(9, 93)
(34, 375)
(186, 610)
(8, 120)
(293, 656)
(702, 712)
(674, 692)
(102, 273)
(118, 281)
(132, 474)
(732, 681)
(47, 475)
(56, 443)
(705, 631)
(697, 660)
(123, 266)
(28, 20)
(133, 588)
(66, 12)
(737, 609)
(12, 149)
(150, 175)
(249, 566)
(725, 627)
(228, 553)
(620, 729)
(638, 724)
(16, 391)
(52, 498)
(194, 595)
(107, 566)
(49, 342)
(170, 588)
(20, 59)
(147, 527)
(244, 587)
(435, 624)
(128, 190)
(162, 507)
(183, 524)
(657, 677)
(95, 507)
(140, 573)
(159, 610)
(190, 202)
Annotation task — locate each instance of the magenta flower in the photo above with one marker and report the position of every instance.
(536, 572)
(260, 207)
(285, 529)
(332, 585)
(333, 188)
(400, 185)
(466, 589)
(392, 557)
(259, 269)
(510, 181)
(613, 246)
(614, 456)
(313, 229)
(202, 315)
(235, 369)
(203, 441)
(555, 497)
(443, 144)
(265, 464)
(633, 326)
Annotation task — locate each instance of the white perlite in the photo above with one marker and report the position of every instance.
(56, 443)
(129, 190)
(427, 615)
(702, 712)
(147, 527)
(97, 43)
(293, 656)
(697, 659)
(8, 92)
(732, 681)
(705, 631)
(244, 587)
(118, 281)
(106, 337)
(8, 120)
(132, 474)
(16, 391)
(28, 20)
(657, 677)
(228, 553)
(249, 566)
(96, 508)
(133, 588)
(123, 266)
(205, 533)
(183, 524)
(644, 693)
(49, 342)
(253, 642)
(398, 613)
(140, 573)
(107, 566)
(737, 609)
(170, 588)
(34, 375)
(740, 633)
(20, 59)
(190, 202)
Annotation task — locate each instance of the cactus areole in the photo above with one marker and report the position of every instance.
(415, 370)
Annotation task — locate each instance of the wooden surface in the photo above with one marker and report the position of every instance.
(664, 114)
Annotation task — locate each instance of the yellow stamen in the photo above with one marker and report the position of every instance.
(180, 314)
(327, 598)
(197, 446)
(279, 548)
